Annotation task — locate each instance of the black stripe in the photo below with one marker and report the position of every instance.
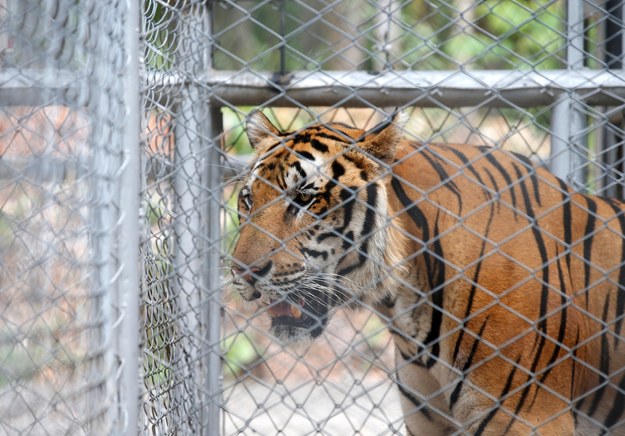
(315, 253)
(343, 137)
(280, 179)
(504, 392)
(474, 282)
(323, 236)
(456, 393)
(272, 146)
(368, 226)
(372, 201)
(620, 291)
(566, 221)
(524, 159)
(617, 407)
(414, 360)
(413, 210)
(355, 162)
(338, 170)
(348, 200)
(495, 162)
(563, 326)
(535, 185)
(493, 182)
(298, 167)
(413, 399)
(544, 293)
(604, 363)
(319, 146)
(435, 267)
(588, 239)
(572, 394)
(496, 189)
(444, 176)
(437, 279)
(305, 154)
(469, 166)
(531, 170)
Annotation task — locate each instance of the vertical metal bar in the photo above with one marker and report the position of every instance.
(103, 200)
(611, 152)
(212, 271)
(128, 242)
(193, 153)
(187, 256)
(575, 34)
(282, 7)
(213, 277)
(613, 47)
(567, 143)
(567, 122)
(385, 34)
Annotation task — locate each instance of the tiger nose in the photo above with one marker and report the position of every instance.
(251, 274)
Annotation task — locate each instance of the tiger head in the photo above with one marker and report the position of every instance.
(314, 219)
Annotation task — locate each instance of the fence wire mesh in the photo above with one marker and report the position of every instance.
(61, 108)
(541, 79)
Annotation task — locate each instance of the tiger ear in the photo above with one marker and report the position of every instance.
(387, 135)
(259, 129)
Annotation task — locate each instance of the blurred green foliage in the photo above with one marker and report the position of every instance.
(239, 353)
(422, 35)
(280, 35)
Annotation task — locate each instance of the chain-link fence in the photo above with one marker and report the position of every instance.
(64, 216)
(88, 348)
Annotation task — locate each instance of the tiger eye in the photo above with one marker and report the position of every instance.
(304, 198)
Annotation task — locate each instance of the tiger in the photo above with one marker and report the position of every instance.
(503, 288)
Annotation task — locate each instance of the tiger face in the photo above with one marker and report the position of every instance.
(314, 229)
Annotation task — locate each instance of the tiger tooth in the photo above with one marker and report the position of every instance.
(295, 312)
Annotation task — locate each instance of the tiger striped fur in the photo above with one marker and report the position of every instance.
(504, 290)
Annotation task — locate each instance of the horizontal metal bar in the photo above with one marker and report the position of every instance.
(37, 87)
(45, 169)
(58, 171)
(347, 88)
(398, 88)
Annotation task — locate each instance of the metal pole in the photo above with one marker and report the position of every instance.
(214, 181)
(575, 34)
(193, 132)
(187, 258)
(567, 122)
(128, 242)
(212, 271)
(611, 152)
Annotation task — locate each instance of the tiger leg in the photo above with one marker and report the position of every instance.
(517, 411)
(498, 422)
(425, 410)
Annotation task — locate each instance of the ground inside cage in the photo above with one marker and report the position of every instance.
(339, 383)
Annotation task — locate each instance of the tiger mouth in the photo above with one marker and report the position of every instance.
(295, 316)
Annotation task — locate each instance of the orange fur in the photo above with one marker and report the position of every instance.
(503, 288)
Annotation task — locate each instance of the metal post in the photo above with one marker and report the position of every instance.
(568, 143)
(611, 152)
(103, 212)
(188, 228)
(214, 180)
(197, 214)
(128, 243)
(212, 270)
